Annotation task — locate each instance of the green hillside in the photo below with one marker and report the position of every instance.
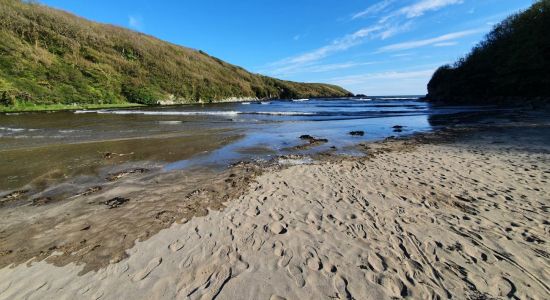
(512, 64)
(48, 56)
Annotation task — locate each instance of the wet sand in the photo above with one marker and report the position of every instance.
(461, 213)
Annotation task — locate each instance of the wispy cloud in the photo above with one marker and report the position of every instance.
(373, 9)
(290, 64)
(420, 8)
(320, 68)
(392, 23)
(398, 82)
(338, 45)
(422, 43)
(355, 79)
(446, 44)
(135, 22)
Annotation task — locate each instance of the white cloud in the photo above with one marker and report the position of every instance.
(418, 9)
(291, 64)
(355, 79)
(341, 44)
(387, 26)
(385, 83)
(446, 44)
(319, 68)
(373, 9)
(421, 7)
(135, 22)
(427, 42)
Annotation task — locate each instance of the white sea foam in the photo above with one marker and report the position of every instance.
(399, 98)
(12, 129)
(192, 113)
(281, 113)
(300, 100)
(161, 113)
(266, 103)
(170, 122)
(245, 103)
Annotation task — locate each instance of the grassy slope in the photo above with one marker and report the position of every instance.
(511, 64)
(50, 56)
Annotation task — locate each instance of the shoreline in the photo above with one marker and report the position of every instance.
(279, 212)
(161, 103)
(62, 107)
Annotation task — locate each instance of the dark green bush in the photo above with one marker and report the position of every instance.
(512, 61)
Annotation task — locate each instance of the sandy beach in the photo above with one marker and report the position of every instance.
(456, 214)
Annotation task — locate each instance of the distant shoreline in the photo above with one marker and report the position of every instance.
(62, 107)
(29, 107)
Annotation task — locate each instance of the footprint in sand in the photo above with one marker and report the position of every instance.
(238, 265)
(278, 248)
(278, 227)
(341, 286)
(253, 211)
(285, 259)
(216, 282)
(312, 259)
(207, 282)
(393, 285)
(296, 273)
(503, 287)
(314, 218)
(357, 231)
(376, 262)
(176, 245)
(153, 264)
(276, 216)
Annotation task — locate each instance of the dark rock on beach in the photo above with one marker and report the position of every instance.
(398, 128)
(41, 201)
(357, 133)
(116, 202)
(15, 195)
(117, 176)
(313, 140)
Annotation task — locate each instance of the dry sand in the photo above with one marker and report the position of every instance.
(460, 218)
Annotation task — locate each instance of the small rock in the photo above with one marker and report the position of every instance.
(357, 133)
(15, 195)
(312, 140)
(116, 202)
(41, 201)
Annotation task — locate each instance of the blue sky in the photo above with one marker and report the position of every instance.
(376, 47)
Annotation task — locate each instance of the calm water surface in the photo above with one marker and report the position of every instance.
(40, 148)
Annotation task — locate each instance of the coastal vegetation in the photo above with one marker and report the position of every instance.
(48, 56)
(512, 64)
